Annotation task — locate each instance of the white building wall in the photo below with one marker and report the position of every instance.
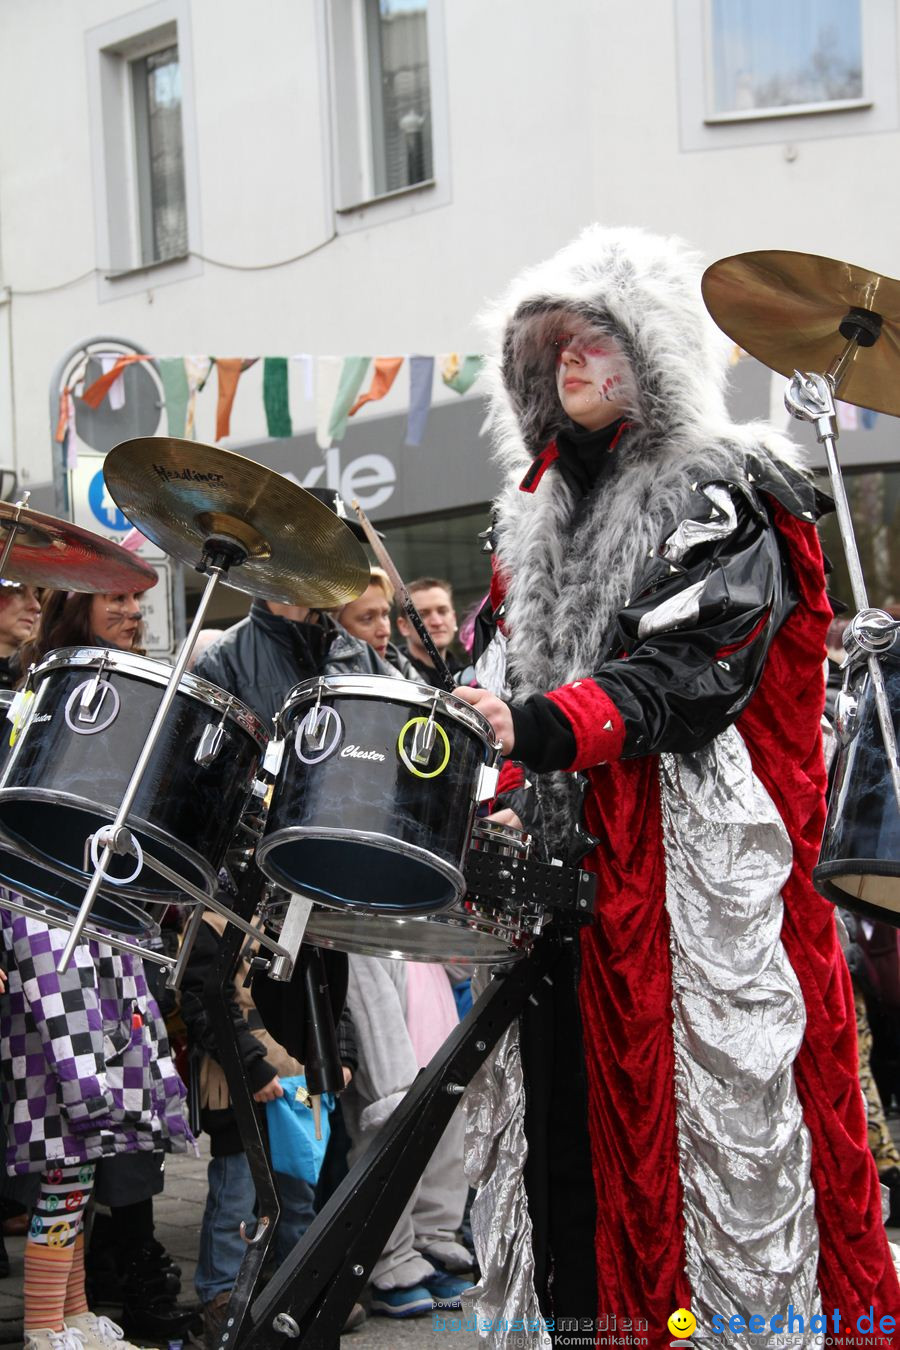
(559, 112)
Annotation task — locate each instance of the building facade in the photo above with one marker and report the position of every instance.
(336, 177)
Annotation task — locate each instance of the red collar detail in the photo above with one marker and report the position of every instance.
(538, 467)
(626, 426)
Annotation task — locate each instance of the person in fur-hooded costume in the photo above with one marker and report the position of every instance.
(659, 614)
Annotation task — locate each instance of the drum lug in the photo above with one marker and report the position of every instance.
(93, 693)
(213, 737)
(487, 782)
(423, 739)
(210, 744)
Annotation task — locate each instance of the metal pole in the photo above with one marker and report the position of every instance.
(810, 397)
(215, 573)
(13, 531)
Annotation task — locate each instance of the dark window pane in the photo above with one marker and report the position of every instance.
(397, 32)
(160, 155)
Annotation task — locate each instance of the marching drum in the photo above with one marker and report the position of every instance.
(859, 864)
(472, 930)
(375, 795)
(46, 891)
(75, 744)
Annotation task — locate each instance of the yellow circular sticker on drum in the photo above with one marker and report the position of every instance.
(414, 768)
(21, 717)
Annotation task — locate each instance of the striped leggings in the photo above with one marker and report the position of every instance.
(59, 1213)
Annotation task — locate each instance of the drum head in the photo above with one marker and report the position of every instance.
(359, 870)
(443, 939)
(56, 895)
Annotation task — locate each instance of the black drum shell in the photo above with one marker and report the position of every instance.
(471, 931)
(58, 786)
(859, 862)
(359, 828)
(54, 892)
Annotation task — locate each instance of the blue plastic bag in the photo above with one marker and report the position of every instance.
(292, 1132)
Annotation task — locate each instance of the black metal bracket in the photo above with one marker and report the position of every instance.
(308, 1299)
(514, 882)
(249, 1116)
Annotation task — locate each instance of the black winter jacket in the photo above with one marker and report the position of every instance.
(261, 658)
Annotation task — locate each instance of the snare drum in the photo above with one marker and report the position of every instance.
(859, 863)
(75, 747)
(470, 931)
(375, 795)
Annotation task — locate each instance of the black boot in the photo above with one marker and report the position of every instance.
(104, 1266)
(149, 1309)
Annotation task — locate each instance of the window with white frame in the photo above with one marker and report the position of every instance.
(146, 196)
(388, 97)
(758, 70)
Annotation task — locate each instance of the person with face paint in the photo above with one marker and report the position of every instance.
(652, 659)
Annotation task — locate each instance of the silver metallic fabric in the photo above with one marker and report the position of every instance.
(750, 1228)
(491, 666)
(494, 1157)
(690, 533)
(675, 612)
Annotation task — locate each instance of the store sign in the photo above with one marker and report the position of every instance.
(367, 479)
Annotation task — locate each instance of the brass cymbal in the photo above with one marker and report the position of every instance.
(50, 552)
(786, 309)
(180, 493)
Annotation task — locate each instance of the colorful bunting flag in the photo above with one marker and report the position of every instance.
(421, 378)
(275, 396)
(460, 375)
(386, 370)
(353, 372)
(847, 416)
(198, 370)
(868, 417)
(176, 393)
(230, 369)
(94, 395)
(328, 377)
(117, 388)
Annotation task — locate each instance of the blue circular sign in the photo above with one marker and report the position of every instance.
(103, 506)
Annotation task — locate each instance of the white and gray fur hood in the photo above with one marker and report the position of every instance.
(566, 584)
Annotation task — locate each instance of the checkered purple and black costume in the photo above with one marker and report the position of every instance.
(84, 1056)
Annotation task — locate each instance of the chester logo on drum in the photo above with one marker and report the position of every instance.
(356, 752)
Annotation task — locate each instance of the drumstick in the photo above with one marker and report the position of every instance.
(442, 670)
(316, 1103)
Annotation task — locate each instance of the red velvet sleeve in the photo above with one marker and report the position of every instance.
(595, 721)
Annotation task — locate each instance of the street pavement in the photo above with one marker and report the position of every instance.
(178, 1212)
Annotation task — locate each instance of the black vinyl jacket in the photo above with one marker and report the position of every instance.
(678, 688)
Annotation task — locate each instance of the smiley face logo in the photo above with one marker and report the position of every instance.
(682, 1323)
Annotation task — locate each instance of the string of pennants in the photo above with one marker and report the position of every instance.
(849, 416)
(333, 383)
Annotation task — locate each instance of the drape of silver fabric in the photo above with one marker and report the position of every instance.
(750, 1229)
(501, 1225)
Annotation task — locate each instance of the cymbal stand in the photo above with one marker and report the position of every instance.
(14, 528)
(310, 1295)
(219, 554)
(810, 398)
(248, 1114)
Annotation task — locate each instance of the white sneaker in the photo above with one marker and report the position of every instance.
(42, 1338)
(96, 1333)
